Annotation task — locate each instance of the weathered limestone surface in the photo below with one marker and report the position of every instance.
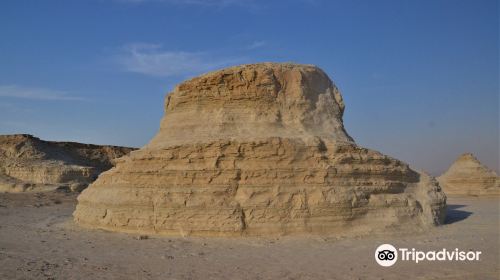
(30, 164)
(258, 150)
(467, 176)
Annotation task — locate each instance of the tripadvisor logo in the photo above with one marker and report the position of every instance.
(387, 255)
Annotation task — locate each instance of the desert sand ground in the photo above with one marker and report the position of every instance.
(38, 240)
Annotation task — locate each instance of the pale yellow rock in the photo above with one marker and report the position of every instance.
(258, 150)
(30, 164)
(467, 176)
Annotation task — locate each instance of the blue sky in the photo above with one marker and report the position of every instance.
(420, 78)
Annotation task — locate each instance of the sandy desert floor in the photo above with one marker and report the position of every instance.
(38, 240)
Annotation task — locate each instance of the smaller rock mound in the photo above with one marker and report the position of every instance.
(467, 176)
(30, 164)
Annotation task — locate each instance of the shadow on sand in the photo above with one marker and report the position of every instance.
(454, 215)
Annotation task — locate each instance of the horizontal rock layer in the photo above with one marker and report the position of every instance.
(273, 186)
(253, 102)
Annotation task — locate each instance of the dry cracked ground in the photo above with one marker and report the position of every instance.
(38, 240)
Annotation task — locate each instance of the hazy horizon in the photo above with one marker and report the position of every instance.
(420, 79)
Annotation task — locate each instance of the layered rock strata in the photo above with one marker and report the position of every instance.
(258, 150)
(30, 164)
(467, 176)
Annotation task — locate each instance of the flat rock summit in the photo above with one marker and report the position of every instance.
(258, 150)
(467, 176)
(30, 164)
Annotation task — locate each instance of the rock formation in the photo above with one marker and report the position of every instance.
(258, 150)
(30, 164)
(467, 176)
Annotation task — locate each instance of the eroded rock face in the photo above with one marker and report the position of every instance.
(258, 150)
(30, 164)
(467, 176)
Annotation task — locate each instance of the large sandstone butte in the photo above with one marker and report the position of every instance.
(258, 150)
(30, 164)
(467, 176)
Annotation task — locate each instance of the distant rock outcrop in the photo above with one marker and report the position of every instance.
(258, 150)
(467, 176)
(30, 164)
